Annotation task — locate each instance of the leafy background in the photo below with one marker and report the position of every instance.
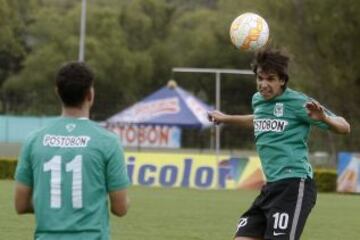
(132, 46)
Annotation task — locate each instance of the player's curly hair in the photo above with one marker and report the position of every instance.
(73, 81)
(272, 60)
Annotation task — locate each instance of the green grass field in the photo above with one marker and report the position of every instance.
(185, 214)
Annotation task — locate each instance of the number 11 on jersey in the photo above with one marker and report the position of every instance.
(74, 166)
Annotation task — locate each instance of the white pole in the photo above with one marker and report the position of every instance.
(82, 32)
(217, 126)
(213, 70)
(217, 71)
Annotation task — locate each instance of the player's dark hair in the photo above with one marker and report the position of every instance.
(272, 60)
(73, 81)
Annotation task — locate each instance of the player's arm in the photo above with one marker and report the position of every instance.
(119, 202)
(24, 180)
(23, 196)
(117, 179)
(241, 120)
(337, 124)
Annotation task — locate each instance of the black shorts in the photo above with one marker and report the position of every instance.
(280, 211)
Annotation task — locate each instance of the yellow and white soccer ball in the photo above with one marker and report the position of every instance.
(249, 31)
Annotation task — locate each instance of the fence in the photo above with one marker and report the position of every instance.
(15, 129)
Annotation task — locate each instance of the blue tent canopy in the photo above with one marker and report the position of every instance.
(170, 105)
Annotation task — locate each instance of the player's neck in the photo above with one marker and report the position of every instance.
(75, 112)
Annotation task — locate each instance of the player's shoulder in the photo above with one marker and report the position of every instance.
(103, 132)
(296, 94)
(103, 138)
(295, 98)
(32, 136)
(38, 133)
(256, 97)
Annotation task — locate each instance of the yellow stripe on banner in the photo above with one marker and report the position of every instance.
(190, 170)
(174, 170)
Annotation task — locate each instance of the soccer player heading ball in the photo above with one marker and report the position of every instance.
(68, 169)
(281, 120)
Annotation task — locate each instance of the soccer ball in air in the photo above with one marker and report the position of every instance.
(249, 31)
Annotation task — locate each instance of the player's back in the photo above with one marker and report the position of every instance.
(70, 164)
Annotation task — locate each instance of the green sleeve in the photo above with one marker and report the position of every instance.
(116, 172)
(24, 171)
(302, 114)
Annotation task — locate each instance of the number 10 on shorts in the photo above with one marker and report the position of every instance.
(281, 220)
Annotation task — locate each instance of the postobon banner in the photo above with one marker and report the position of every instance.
(348, 179)
(193, 170)
(147, 136)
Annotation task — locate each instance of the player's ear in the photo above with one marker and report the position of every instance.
(90, 94)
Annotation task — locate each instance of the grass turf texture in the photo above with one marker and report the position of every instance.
(179, 214)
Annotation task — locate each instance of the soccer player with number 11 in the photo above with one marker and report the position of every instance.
(67, 170)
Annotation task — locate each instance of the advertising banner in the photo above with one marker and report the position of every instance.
(147, 136)
(348, 172)
(202, 171)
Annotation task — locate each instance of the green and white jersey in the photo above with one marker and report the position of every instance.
(72, 165)
(281, 128)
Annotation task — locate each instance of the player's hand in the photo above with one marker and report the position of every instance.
(216, 117)
(315, 110)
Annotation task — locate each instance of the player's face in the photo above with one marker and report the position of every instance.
(269, 84)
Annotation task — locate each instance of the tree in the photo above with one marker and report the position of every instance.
(13, 17)
(132, 46)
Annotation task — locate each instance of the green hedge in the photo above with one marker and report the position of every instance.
(325, 179)
(7, 168)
